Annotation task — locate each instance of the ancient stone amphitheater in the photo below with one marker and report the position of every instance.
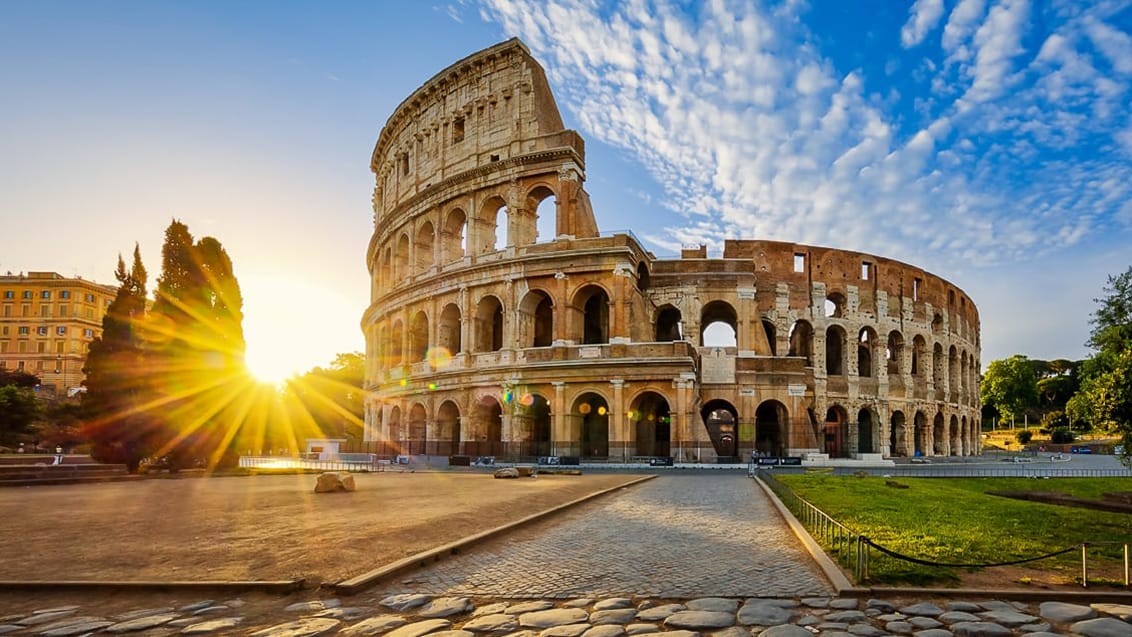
(502, 322)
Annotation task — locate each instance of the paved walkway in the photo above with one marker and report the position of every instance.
(677, 536)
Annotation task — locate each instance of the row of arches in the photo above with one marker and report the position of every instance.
(447, 237)
(900, 436)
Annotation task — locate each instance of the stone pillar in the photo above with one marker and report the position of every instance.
(619, 314)
(617, 419)
(745, 324)
(559, 437)
(562, 308)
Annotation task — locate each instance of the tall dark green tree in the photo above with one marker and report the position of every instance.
(1105, 397)
(195, 348)
(1010, 386)
(115, 405)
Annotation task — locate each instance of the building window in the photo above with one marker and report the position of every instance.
(90, 298)
(20, 365)
(46, 294)
(22, 346)
(27, 294)
(405, 164)
(39, 366)
(41, 347)
(25, 310)
(45, 310)
(7, 310)
(23, 330)
(866, 269)
(458, 130)
(65, 294)
(799, 262)
(88, 333)
(916, 289)
(3, 347)
(4, 330)
(9, 294)
(41, 330)
(60, 331)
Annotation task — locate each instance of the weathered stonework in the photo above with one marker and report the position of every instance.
(484, 338)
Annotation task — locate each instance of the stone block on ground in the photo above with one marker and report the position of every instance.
(507, 472)
(335, 482)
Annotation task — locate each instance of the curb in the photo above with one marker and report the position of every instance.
(266, 586)
(828, 568)
(365, 580)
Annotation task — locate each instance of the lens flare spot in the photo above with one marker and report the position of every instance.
(601, 410)
(438, 357)
(527, 400)
(584, 408)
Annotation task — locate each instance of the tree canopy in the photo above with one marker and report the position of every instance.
(1010, 386)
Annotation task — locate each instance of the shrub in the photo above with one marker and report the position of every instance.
(1060, 435)
(1023, 437)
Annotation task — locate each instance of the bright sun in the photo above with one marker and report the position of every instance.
(285, 339)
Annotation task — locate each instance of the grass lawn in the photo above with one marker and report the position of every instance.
(953, 520)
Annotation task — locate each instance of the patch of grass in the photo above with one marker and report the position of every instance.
(953, 520)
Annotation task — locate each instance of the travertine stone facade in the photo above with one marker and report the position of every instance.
(486, 337)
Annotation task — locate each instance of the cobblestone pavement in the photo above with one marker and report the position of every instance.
(677, 536)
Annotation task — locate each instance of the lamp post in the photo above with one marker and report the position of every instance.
(60, 370)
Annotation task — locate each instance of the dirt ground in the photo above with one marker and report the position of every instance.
(259, 527)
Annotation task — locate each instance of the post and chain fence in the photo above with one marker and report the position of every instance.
(853, 550)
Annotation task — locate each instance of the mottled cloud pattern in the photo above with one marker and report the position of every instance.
(1010, 136)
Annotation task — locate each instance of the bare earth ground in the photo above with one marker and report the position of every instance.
(259, 527)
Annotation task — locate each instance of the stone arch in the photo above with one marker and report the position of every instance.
(919, 347)
(534, 424)
(867, 344)
(719, 325)
(643, 278)
(898, 435)
(834, 305)
(448, 427)
(937, 323)
(418, 428)
(544, 203)
(836, 431)
(771, 422)
(965, 436)
(454, 236)
(396, 434)
(386, 275)
(418, 337)
(448, 330)
(894, 353)
(955, 443)
(939, 435)
(591, 306)
(835, 359)
(487, 426)
(592, 413)
(668, 322)
(424, 250)
(651, 423)
(536, 319)
(489, 324)
(953, 373)
(938, 370)
(921, 437)
(771, 335)
(802, 341)
(495, 221)
(866, 435)
(722, 422)
(401, 271)
(396, 339)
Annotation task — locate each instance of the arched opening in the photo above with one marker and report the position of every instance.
(771, 418)
(721, 420)
(894, 354)
(418, 337)
(386, 276)
(938, 366)
(496, 218)
(835, 351)
(546, 214)
(487, 428)
(898, 435)
(718, 325)
(939, 436)
(921, 436)
(865, 432)
(489, 325)
(448, 332)
(593, 413)
(537, 315)
(594, 303)
(771, 336)
(956, 446)
(426, 236)
(454, 236)
(401, 271)
(375, 431)
(919, 346)
(534, 425)
(802, 341)
(668, 324)
(651, 421)
(396, 338)
(866, 341)
(642, 277)
(836, 428)
(448, 428)
(834, 305)
(396, 436)
(937, 324)
(953, 373)
(418, 429)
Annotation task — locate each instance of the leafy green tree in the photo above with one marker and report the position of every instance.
(1105, 397)
(1024, 436)
(1010, 386)
(19, 409)
(18, 378)
(115, 406)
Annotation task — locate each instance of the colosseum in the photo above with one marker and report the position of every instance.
(503, 322)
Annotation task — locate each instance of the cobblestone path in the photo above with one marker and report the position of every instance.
(677, 536)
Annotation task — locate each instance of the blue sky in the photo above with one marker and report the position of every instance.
(988, 141)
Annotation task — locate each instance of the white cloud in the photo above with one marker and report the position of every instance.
(960, 27)
(1116, 45)
(997, 42)
(923, 17)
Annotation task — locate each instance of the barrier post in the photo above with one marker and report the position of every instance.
(1084, 567)
(1126, 564)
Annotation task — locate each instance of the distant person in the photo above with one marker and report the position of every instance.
(58, 455)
